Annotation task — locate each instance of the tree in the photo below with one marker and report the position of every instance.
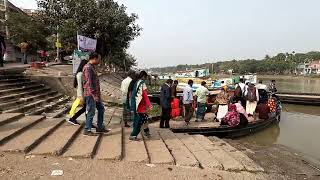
(26, 28)
(104, 20)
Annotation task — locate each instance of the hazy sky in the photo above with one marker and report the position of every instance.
(189, 31)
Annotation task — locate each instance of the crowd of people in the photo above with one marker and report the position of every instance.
(247, 103)
(135, 99)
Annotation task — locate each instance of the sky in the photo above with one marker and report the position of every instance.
(195, 32)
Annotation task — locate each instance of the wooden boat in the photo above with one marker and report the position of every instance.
(228, 132)
(300, 98)
(221, 131)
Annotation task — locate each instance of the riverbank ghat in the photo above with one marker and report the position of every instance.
(32, 123)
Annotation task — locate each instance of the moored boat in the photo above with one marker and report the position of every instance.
(228, 132)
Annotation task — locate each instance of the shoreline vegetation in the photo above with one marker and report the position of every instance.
(280, 64)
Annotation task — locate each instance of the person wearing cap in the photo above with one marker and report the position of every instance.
(201, 95)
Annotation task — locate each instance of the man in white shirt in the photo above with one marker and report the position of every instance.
(261, 86)
(242, 85)
(188, 101)
(124, 89)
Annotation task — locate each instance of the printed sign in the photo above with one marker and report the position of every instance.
(86, 44)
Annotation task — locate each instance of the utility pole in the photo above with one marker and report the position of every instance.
(57, 45)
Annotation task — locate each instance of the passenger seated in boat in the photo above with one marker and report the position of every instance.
(272, 104)
(244, 118)
(232, 118)
(263, 110)
(222, 100)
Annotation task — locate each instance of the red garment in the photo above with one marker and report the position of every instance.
(263, 110)
(272, 105)
(145, 102)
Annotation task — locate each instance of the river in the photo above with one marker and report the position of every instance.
(299, 125)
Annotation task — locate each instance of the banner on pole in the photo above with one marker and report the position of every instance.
(86, 44)
(77, 57)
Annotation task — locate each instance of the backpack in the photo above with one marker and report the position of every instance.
(251, 94)
(238, 92)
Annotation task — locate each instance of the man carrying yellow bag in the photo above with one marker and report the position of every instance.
(80, 100)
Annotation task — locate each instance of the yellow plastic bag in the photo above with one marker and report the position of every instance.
(73, 109)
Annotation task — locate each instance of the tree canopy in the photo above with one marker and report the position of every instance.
(282, 63)
(104, 20)
(27, 28)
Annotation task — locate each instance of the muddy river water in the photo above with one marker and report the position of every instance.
(299, 127)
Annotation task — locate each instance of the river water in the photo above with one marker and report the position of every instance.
(299, 125)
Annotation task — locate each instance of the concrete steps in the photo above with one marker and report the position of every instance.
(22, 79)
(50, 135)
(10, 117)
(32, 105)
(15, 84)
(27, 140)
(23, 101)
(57, 143)
(20, 89)
(39, 136)
(16, 96)
(10, 130)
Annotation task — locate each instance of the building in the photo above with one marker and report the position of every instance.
(303, 68)
(315, 67)
(166, 76)
(11, 7)
(31, 12)
(198, 73)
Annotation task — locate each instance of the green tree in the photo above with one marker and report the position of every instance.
(104, 20)
(23, 27)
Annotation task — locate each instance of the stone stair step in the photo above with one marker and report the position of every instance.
(59, 141)
(32, 105)
(59, 113)
(227, 161)
(20, 89)
(181, 154)
(23, 94)
(110, 147)
(157, 150)
(11, 76)
(82, 147)
(15, 85)
(9, 131)
(22, 101)
(32, 137)
(248, 163)
(49, 107)
(202, 155)
(2, 81)
(116, 119)
(9, 117)
(134, 151)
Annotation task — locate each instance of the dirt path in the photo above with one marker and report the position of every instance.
(278, 159)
